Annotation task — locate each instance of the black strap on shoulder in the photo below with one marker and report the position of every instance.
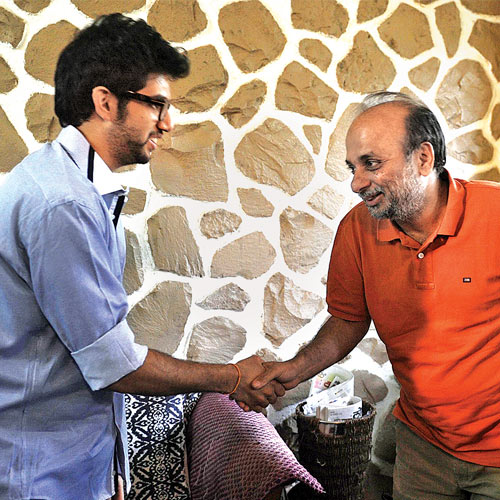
(90, 164)
(90, 176)
(118, 208)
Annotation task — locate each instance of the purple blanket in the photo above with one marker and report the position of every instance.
(233, 454)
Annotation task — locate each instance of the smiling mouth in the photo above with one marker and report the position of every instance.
(372, 199)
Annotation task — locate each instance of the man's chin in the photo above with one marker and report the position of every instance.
(377, 212)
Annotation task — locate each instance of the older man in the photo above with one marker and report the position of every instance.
(421, 258)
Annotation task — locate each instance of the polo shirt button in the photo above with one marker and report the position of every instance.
(421, 255)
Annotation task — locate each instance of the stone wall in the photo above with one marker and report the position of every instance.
(230, 227)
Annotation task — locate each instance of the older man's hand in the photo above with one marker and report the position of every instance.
(255, 399)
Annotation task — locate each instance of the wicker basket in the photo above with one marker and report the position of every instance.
(339, 460)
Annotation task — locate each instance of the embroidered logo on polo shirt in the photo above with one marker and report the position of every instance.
(466, 280)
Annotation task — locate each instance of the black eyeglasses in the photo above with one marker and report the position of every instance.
(163, 106)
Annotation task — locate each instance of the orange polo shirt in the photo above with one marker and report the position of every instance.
(436, 307)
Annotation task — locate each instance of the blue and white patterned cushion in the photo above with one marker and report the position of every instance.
(157, 445)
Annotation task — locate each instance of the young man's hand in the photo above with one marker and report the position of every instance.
(249, 397)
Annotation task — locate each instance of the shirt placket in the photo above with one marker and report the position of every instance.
(423, 269)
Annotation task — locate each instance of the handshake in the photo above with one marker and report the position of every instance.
(263, 382)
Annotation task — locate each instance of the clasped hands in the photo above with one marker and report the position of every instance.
(263, 382)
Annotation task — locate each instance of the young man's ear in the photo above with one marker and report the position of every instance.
(425, 158)
(105, 103)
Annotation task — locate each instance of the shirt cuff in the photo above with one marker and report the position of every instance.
(110, 357)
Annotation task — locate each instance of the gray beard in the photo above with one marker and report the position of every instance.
(407, 200)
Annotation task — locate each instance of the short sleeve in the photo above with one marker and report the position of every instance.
(76, 278)
(345, 286)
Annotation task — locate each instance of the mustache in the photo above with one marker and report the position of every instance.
(365, 195)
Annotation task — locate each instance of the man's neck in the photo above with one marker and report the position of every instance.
(428, 220)
(97, 139)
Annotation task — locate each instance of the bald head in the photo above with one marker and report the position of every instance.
(421, 125)
(382, 126)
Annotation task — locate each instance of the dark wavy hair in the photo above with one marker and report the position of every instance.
(421, 124)
(116, 52)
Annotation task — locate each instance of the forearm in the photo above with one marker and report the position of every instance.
(335, 339)
(164, 375)
(333, 342)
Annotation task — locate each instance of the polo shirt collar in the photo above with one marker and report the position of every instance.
(77, 146)
(455, 207)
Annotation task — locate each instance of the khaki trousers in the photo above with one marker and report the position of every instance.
(425, 472)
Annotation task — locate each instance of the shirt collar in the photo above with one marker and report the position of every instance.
(77, 146)
(455, 207)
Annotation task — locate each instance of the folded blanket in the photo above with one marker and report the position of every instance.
(237, 455)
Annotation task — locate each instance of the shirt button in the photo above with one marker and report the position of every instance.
(421, 255)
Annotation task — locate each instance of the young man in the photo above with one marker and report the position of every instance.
(420, 257)
(66, 351)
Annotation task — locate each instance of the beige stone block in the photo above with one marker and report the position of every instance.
(43, 50)
(229, 297)
(287, 308)
(8, 80)
(245, 103)
(485, 37)
(271, 154)
(253, 36)
(370, 9)
(177, 20)
(216, 340)
(315, 52)
(495, 122)
(408, 92)
(11, 145)
(32, 6)
(11, 27)
(327, 201)
(491, 7)
(190, 162)
(465, 93)
(300, 90)
(217, 223)
(172, 243)
(40, 117)
(206, 82)
(323, 16)
(192, 137)
(96, 8)
(369, 387)
(136, 201)
(133, 276)
(424, 75)
(314, 136)
(335, 160)
(249, 256)
(159, 319)
(407, 32)
(471, 148)
(491, 174)
(254, 203)
(266, 355)
(375, 348)
(449, 24)
(304, 239)
(365, 68)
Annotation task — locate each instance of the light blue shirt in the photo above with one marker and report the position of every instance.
(63, 329)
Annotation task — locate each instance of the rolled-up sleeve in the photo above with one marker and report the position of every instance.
(75, 271)
(116, 344)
